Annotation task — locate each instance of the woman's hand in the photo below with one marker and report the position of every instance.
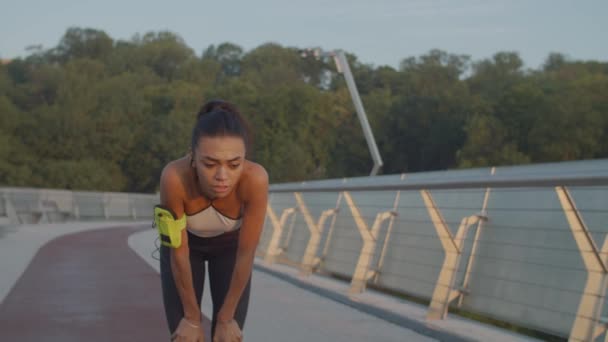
(228, 332)
(188, 332)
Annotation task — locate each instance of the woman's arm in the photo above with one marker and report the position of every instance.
(255, 197)
(172, 193)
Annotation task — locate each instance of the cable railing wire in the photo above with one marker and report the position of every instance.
(486, 257)
(487, 225)
(435, 238)
(502, 299)
(471, 240)
(473, 209)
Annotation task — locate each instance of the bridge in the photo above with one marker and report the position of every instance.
(492, 254)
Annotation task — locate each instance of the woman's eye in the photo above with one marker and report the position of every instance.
(234, 166)
(209, 165)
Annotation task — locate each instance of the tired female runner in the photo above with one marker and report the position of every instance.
(213, 204)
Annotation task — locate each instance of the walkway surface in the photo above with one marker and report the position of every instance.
(78, 281)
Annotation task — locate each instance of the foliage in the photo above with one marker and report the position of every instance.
(96, 113)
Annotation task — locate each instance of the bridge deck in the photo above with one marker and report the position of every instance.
(94, 285)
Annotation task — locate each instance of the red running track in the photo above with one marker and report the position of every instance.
(87, 286)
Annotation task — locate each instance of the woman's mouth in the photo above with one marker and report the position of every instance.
(218, 189)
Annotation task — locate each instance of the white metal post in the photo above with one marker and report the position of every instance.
(470, 259)
(309, 259)
(273, 250)
(10, 210)
(369, 236)
(343, 67)
(389, 231)
(330, 231)
(445, 292)
(106, 201)
(588, 323)
(132, 201)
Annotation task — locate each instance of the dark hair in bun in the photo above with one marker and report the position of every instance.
(219, 118)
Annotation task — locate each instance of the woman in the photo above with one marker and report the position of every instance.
(213, 205)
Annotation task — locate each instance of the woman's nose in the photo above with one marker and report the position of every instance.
(221, 173)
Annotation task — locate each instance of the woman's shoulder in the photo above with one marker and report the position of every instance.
(254, 178)
(255, 172)
(174, 174)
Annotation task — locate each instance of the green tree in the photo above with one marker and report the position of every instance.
(228, 55)
(83, 43)
(487, 144)
(98, 114)
(424, 126)
(85, 174)
(491, 77)
(164, 52)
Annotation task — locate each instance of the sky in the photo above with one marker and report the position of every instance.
(379, 32)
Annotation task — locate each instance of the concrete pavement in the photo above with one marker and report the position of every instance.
(99, 282)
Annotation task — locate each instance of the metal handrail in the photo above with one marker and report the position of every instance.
(593, 178)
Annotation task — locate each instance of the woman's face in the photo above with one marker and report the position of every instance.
(219, 164)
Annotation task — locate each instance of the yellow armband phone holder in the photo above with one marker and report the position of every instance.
(169, 228)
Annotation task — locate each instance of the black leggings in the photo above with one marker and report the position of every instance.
(220, 254)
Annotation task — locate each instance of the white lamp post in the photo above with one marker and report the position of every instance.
(342, 65)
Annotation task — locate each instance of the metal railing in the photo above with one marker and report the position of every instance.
(524, 245)
(27, 205)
